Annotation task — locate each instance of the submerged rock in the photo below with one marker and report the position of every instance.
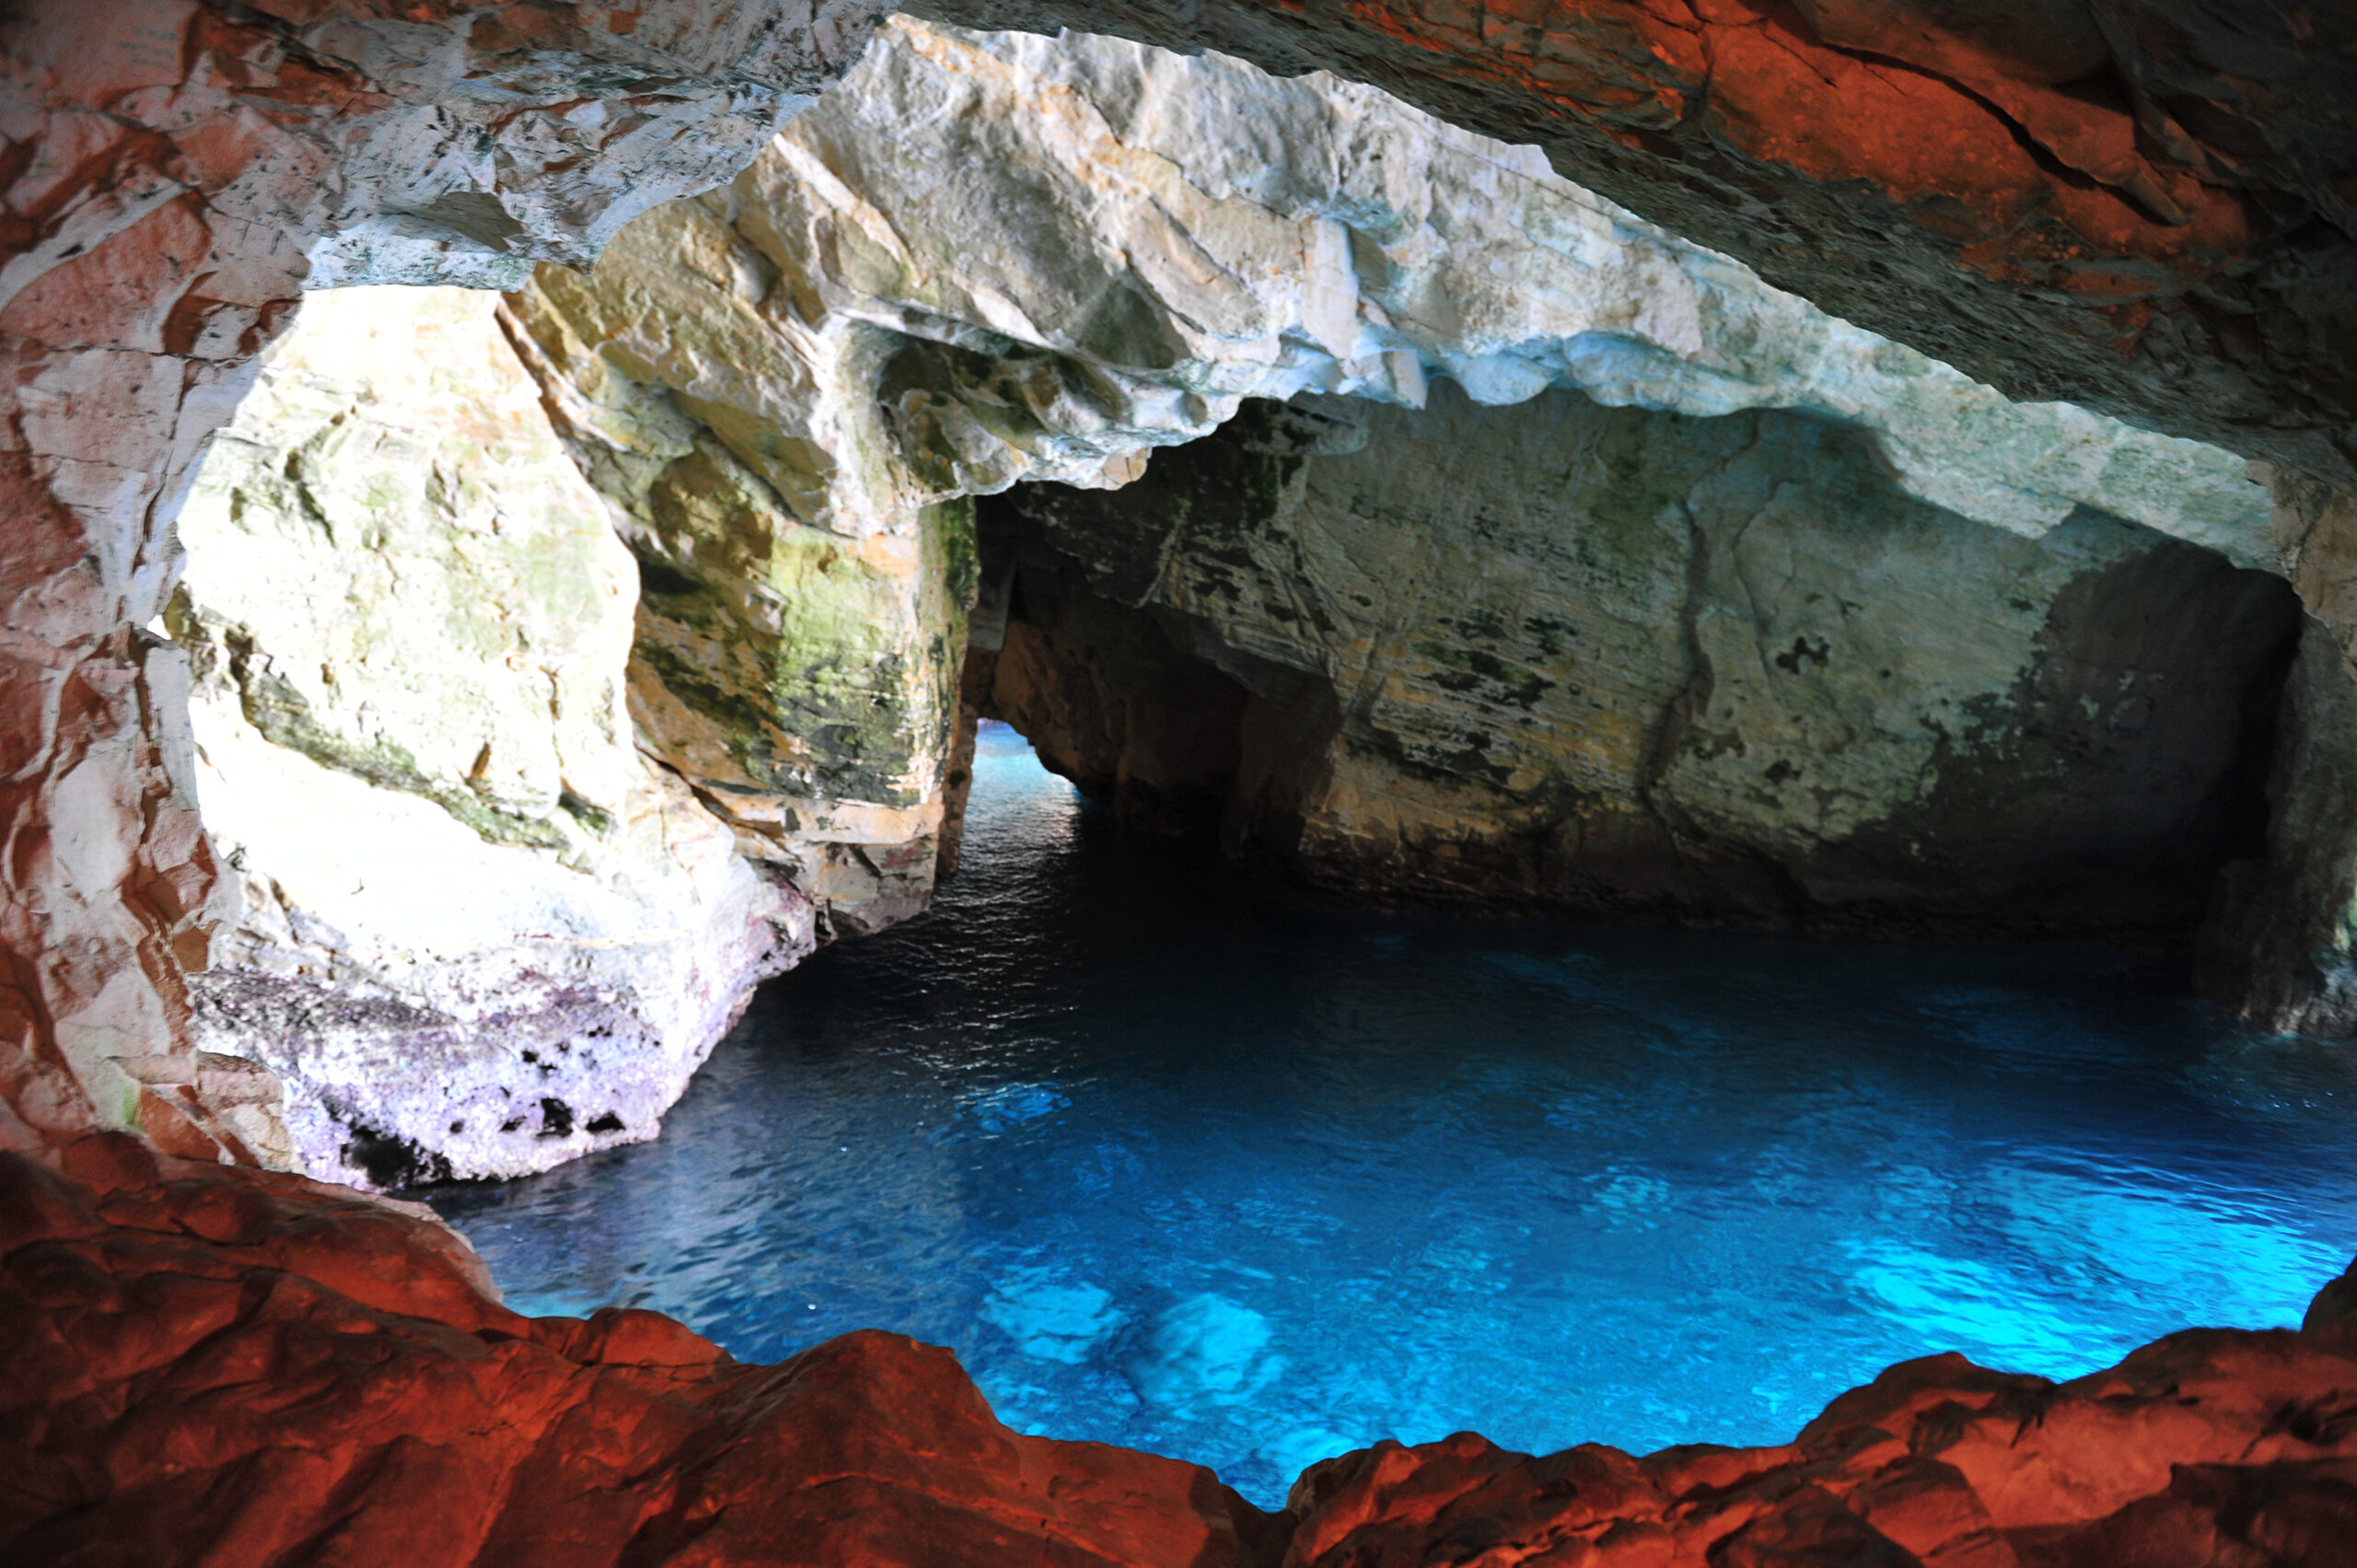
(481, 934)
(400, 1412)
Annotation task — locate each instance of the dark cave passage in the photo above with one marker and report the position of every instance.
(1714, 672)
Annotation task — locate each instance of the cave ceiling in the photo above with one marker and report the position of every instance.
(2142, 208)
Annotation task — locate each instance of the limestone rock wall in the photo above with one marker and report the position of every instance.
(799, 631)
(1597, 659)
(170, 164)
(479, 932)
(994, 258)
(165, 167)
(2142, 206)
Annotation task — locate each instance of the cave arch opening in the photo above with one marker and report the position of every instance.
(1471, 626)
(1559, 658)
(1549, 657)
(176, 169)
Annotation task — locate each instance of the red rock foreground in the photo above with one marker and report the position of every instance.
(210, 1365)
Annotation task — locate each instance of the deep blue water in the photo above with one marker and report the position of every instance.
(1179, 1168)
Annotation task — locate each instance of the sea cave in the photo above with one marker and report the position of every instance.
(1294, 785)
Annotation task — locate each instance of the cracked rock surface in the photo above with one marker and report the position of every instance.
(992, 259)
(2139, 206)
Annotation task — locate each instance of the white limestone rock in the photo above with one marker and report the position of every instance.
(481, 934)
(536, 133)
(1181, 231)
(984, 258)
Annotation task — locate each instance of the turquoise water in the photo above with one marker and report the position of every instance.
(1177, 1167)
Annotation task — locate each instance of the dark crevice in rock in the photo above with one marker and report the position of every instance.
(391, 1162)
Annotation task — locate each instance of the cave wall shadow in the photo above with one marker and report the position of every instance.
(2103, 792)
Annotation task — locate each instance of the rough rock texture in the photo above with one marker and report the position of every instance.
(990, 257)
(1609, 659)
(2281, 942)
(167, 166)
(2278, 941)
(2208, 1447)
(795, 657)
(409, 1418)
(479, 932)
(2143, 207)
(1124, 242)
(163, 167)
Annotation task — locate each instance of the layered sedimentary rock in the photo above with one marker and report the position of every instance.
(168, 167)
(2139, 205)
(172, 166)
(783, 393)
(479, 934)
(1589, 658)
(409, 1416)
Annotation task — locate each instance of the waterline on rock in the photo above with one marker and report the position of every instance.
(1174, 1168)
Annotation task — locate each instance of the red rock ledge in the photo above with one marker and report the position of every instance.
(221, 1366)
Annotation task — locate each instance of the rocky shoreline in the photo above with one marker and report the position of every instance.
(219, 1365)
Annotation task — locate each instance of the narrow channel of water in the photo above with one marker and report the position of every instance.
(1172, 1166)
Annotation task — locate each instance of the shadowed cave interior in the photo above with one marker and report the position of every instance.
(2097, 795)
(911, 795)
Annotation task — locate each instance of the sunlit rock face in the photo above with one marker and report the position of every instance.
(799, 636)
(1614, 660)
(174, 170)
(2139, 205)
(479, 934)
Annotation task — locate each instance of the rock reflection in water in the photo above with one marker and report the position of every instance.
(1174, 1166)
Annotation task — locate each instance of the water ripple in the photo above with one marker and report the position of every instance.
(1173, 1166)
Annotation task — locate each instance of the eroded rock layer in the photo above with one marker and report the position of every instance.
(1608, 659)
(2138, 205)
(990, 259)
(478, 933)
(409, 1417)
(164, 169)
(995, 257)
(168, 165)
